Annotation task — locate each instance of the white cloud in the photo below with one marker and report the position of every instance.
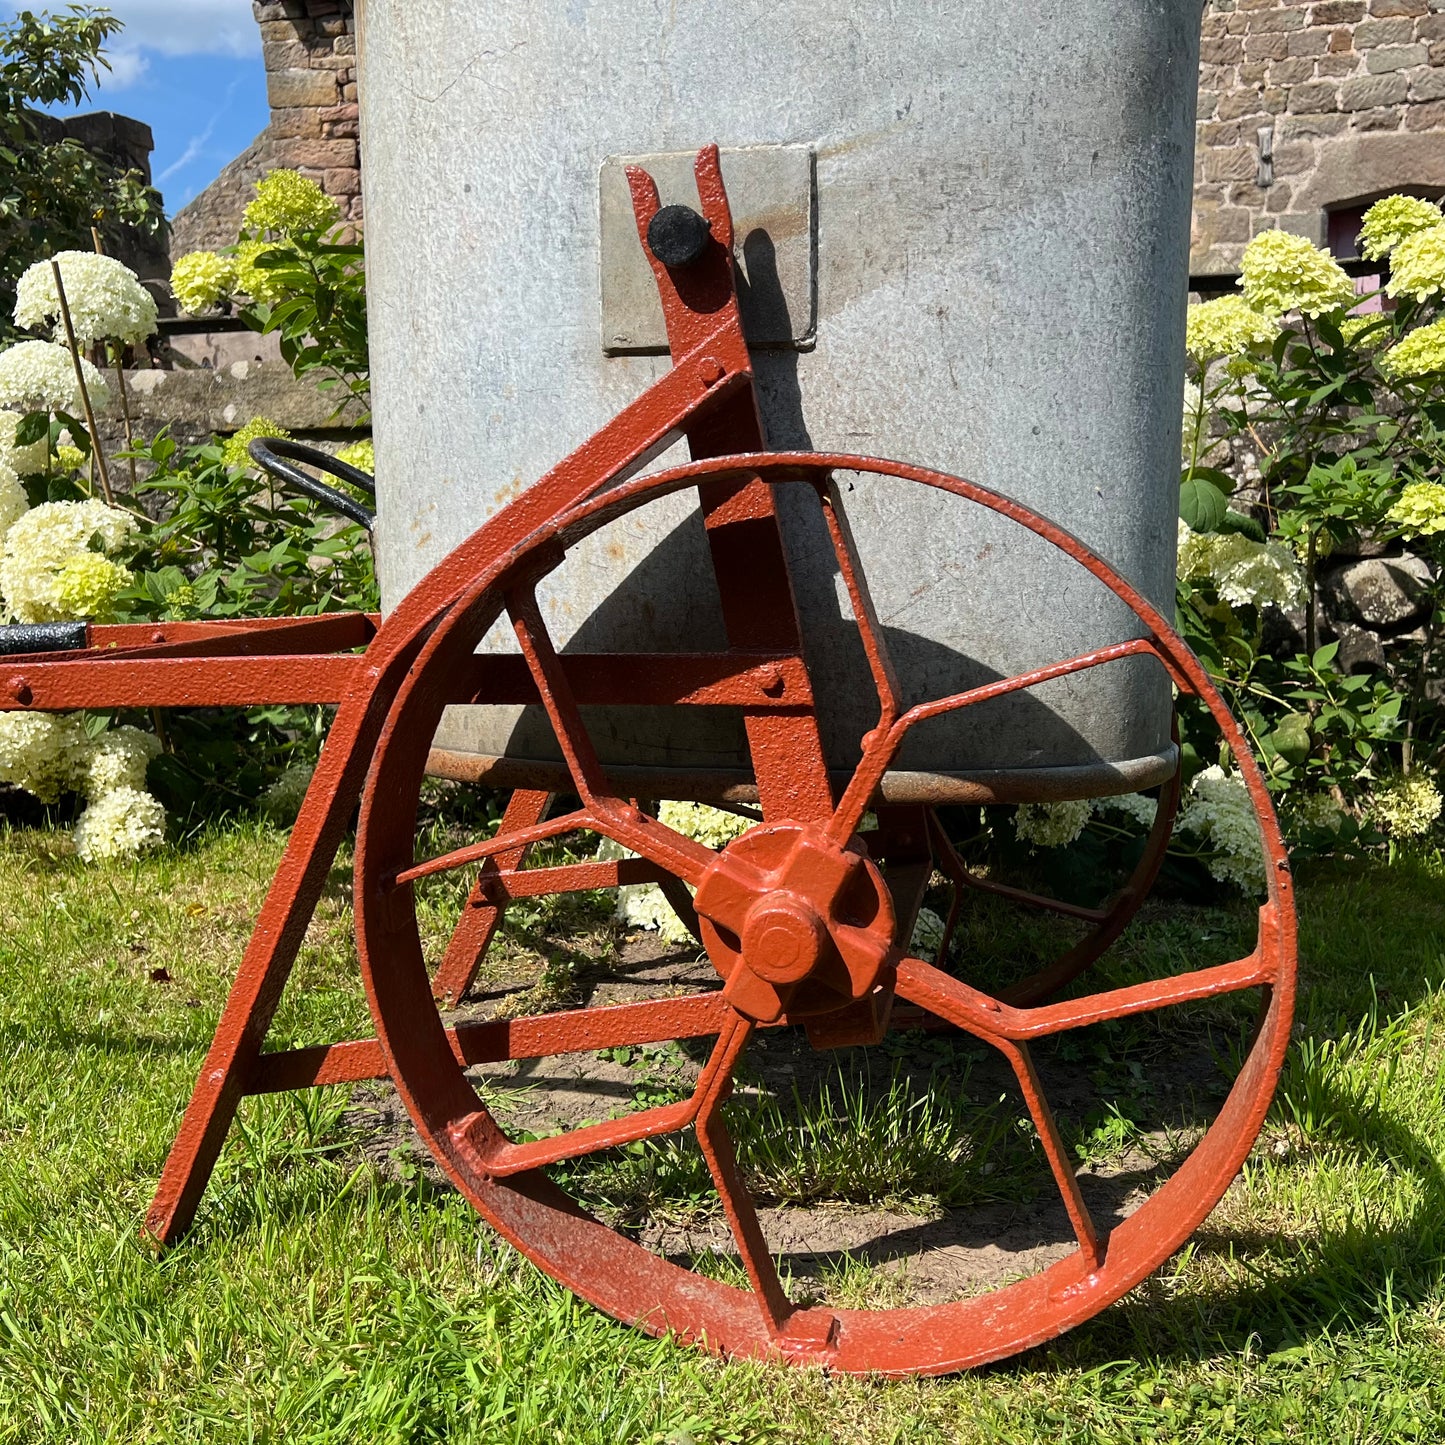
(188, 27)
(126, 67)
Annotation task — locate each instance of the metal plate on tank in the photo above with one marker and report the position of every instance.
(771, 192)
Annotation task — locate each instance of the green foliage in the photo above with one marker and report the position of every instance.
(1338, 435)
(320, 317)
(53, 191)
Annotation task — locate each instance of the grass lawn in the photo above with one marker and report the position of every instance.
(322, 1299)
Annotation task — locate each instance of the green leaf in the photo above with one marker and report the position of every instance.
(1291, 738)
(1242, 523)
(1202, 505)
(1324, 656)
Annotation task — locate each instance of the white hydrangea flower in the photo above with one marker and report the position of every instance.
(118, 759)
(27, 460)
(1318, 810)
(1132, 805)
(1244, 572)
(106, 300)
(641, 905)
(13, 501)
(40, 376)
(282, 800)
(1051, 825)
(44, 753)
(41, 579)
(1407, 806)
(120, 824)
(1220, 814)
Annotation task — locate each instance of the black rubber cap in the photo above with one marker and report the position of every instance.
(677, 235)
(23, 637)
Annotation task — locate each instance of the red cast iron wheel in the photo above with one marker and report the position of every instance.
(821, 943)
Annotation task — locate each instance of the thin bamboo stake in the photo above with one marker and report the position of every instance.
(120, 377)
(97, 456)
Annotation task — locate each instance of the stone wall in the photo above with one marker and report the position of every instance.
(1349, 95)
(309, 50)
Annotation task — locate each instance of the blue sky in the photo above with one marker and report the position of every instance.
(191, 69)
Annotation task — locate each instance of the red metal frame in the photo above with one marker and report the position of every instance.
(800, 920)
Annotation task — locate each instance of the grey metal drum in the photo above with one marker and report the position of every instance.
(963, 236)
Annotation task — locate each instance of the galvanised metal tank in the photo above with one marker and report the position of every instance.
(964, 233)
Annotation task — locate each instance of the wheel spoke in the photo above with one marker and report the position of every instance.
(882, 747)
(986, 1018)
(619, 820)
(502, 842)
(875, 647)
(1056, 1153)
(498, 1156)
(742, 1215)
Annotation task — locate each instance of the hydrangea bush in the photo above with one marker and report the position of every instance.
(1342, 399)
(200, 534)
(293, 271)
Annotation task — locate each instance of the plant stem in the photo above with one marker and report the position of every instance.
(97, 455)
(120, 377)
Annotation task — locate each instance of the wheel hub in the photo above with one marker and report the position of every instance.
(794, 923)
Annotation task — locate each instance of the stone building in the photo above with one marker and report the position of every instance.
(1308, 111)
(309, 51)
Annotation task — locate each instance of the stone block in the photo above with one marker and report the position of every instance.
(1274, 45)
(1312, 127)
(1338, 65)
(1219, 133)
(341, 183)
(1427, 83)
(1314, 96)
(1398, 7)
(1426, 117)
(1236, 103)
(295, 88)
(1338, 12)
(1293, 71)
(1384, 117)
(1224, 51)
(1253, 72)
(1383, 591)
(295, 123)
(1430, 27)
(1277, 198)
(1308, 42)
(1235, 164)
(1293, 157)
(317, 155)
(1384, 32)
(1276, 20)
(1395, 57)
(221, 401)
(1437, 53)
(1365, 92)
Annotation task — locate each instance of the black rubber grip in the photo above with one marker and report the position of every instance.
(276, 456)
(26, 637)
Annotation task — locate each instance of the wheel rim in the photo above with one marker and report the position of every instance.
(504, 1180)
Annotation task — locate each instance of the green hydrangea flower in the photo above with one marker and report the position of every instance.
(287, 203)
(235, 451)
(1417, 265)
(1420, 352)
(361, 455)
(1389, 221)
(1282, 272)
(1226, 326)
(201, 280)
(260, 283)
(1420, 509)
